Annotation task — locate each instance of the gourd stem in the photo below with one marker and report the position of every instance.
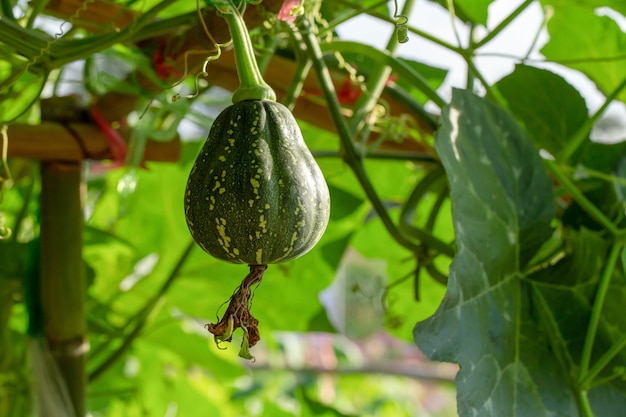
(252, 86)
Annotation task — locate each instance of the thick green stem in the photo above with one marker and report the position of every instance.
(584, 404)
(252, 86)
(596, 312)
(62, 275)
(352, 157)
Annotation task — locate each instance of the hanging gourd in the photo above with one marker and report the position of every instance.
(255, 194)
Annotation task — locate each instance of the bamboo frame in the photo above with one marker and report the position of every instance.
(309, 107)
(62, 146)
(52, 141)
(62, 274)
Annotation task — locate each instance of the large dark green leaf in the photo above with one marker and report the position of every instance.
(590, 43)
(502, 211)
(563, 295)
(550, 108)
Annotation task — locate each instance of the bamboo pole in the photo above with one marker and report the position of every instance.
(62, 275)
(52, 141)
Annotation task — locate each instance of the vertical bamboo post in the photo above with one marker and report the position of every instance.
(62, 274)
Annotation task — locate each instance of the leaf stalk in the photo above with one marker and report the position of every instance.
(583, 201)
(596, 312)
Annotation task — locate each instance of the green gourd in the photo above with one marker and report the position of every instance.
(255, 194)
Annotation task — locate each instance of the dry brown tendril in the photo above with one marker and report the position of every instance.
(238, 315)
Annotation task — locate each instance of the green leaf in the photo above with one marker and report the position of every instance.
(616, 5)
(468, 11)
(587, 42)
(344, 202)
(434, 75)
(550, 108)
(502, 209)
(603, 157)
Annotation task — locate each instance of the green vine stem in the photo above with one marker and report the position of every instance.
(45, 53)
(492, 93)
(378, 79)
(601, 363)
(386, 59)
(583, 201)
(303, 67)
(596, 312)
(585, 405)
(352, 10)
(407, 213)
(350, 153)
(252, 86)
(424, 35)
(503, 24)
(547, 15)
(419, 158)
(389, 19)
(452, 13)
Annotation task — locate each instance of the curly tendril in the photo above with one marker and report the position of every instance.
(402, 27)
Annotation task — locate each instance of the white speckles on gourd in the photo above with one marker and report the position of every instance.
(268, 190)
(262, 224)
(255, 185)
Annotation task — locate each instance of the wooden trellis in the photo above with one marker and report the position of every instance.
(63, 142)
